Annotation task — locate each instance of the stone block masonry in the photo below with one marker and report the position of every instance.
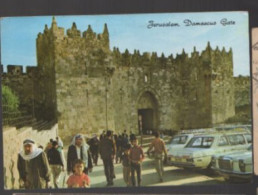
(87, 87)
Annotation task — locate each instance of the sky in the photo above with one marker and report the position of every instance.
(133, 31)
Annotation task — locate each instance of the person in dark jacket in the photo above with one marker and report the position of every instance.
(79, 149)
(55, 162)
(107, 150)
(94, 148)
(33, 167)
(118, 148)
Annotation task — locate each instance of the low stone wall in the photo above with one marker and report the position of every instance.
(12, 145)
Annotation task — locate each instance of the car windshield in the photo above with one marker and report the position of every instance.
(179, 139)
(200, 142)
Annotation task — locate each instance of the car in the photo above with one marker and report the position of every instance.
(236, 166)
(181, 140)
(200, 149)
(178, 141)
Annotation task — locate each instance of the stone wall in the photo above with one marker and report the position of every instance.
(97, 88)
(87, 87)
(35, 88)
(223, 99)
(22, 84)
(12, 145)
(242, 91)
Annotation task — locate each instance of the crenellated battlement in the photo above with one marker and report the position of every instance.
(16, 70)
(88, 38)
(136, 58)
(242, 81)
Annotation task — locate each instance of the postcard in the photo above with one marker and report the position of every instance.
(104, 101)
(255, 85)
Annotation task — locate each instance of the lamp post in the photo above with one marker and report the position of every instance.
(140, 126)
(121, 92)
(106, 101)
(108, 74)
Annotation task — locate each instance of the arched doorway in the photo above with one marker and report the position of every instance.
(147, 108)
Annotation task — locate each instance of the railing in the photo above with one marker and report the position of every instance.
(15, 118)
(20, 119)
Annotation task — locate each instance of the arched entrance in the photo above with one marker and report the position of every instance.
(147, 108)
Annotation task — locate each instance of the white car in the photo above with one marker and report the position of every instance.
(178, 141)
(200, 149)
(235, 166)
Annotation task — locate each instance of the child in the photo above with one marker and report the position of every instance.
(79, 179)
(126, 165)
(136, 157)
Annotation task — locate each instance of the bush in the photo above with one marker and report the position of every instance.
(10, 101)
(239, 118)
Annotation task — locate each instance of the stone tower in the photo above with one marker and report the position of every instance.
(91, 88)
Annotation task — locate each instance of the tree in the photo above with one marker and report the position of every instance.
(9, 100)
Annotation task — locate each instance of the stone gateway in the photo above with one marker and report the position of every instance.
(87, 87)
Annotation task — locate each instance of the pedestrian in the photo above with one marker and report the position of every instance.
(79, 179)
(126, 166)
(132, 136)
(79, 149)
(136, 157)
(55, 162)
(94, 148)
(125, 133)
(33, 167)
(159, 148)
(124, 141)
(60, 149)
(107, 149)
(60, 142)
(48, 146)
(103, 135)
(118, 141)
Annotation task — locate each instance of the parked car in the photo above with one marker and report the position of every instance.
(234, 166)
(200, 149)
(178, 141)
(182, 139)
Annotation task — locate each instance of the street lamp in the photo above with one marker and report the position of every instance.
(106, 101)
(140, 126)
(108, 74)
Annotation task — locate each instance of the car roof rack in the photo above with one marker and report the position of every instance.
(214, 131)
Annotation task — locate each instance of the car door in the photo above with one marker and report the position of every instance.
(223, 145)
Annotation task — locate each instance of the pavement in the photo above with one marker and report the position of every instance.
(173, 176)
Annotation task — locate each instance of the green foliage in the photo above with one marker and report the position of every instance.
(243, 118)
(9, 100)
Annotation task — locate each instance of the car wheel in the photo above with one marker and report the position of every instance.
(229, 180)
(209, 171)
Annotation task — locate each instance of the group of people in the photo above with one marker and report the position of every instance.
(36, 166)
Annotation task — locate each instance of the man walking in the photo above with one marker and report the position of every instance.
(33, 166)
(79, 150)
(94, 148)
(56, 163)
(107, 150)
(159, 148)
